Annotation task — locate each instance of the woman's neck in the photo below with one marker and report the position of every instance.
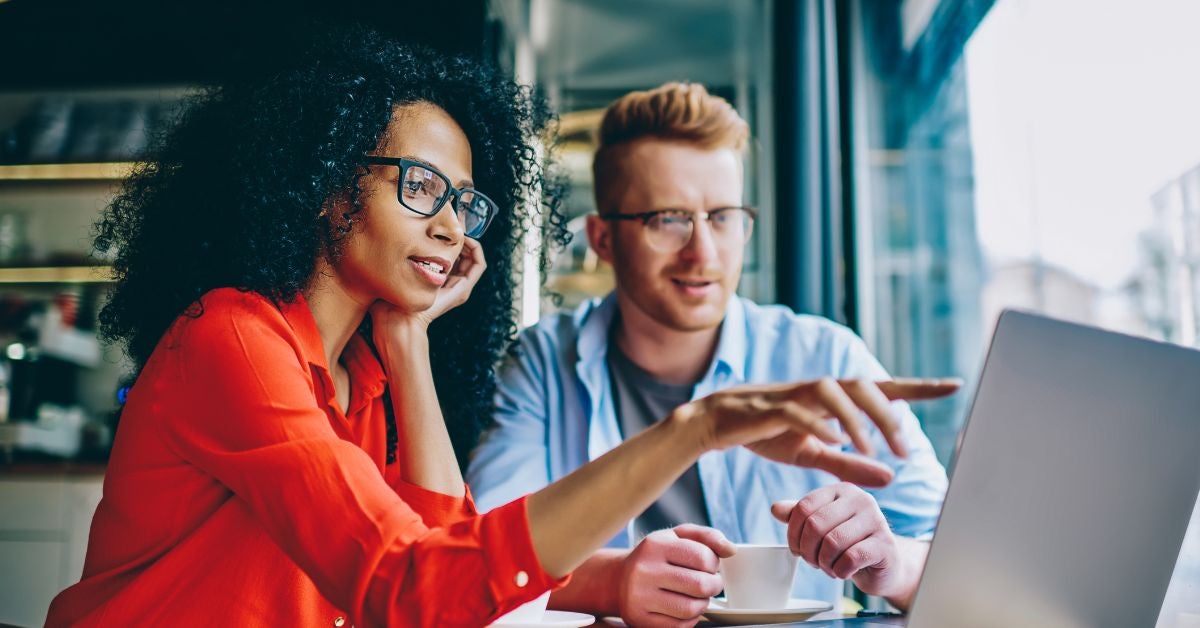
(337, 314)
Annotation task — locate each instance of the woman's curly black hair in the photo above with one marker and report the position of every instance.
(232, 196)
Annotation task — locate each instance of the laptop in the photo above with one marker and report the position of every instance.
(1073, 485)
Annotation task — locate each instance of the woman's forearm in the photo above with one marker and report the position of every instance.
(426, 456)
(573, 517)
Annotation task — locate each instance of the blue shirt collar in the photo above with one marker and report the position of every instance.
(594, 320)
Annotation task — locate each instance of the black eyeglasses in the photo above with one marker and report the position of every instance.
(424, 190)
(669, 230)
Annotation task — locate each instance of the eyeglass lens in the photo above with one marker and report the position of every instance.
(671, 231)
(425, 190)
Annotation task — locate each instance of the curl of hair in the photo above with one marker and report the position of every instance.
(232, 196)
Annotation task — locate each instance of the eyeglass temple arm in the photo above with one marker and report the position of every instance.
(644, 216)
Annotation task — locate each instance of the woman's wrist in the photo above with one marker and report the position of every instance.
(400, 343)
(687, 427)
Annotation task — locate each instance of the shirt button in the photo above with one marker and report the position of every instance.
(339, 622)
(522, 579)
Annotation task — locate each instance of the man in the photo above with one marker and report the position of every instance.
(671, 222)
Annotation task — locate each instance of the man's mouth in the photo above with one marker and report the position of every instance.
(693, 283)
(695, 288)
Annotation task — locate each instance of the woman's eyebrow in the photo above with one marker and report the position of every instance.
(462, 183)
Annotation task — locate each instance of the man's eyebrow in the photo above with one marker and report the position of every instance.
(462, 183)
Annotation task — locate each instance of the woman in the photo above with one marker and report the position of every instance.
(291, 265)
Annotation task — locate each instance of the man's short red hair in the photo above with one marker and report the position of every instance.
(683, 112)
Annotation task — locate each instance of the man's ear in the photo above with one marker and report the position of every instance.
(600, 237)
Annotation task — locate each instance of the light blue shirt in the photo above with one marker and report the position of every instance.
(555, 412)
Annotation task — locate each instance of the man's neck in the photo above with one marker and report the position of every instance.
(671, 356)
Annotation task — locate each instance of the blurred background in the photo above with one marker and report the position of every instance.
(918, 166)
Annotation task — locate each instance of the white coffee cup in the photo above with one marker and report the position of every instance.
(527, 613)
(758, 576)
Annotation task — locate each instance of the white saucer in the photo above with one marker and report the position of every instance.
(553, 619)
(796, 610)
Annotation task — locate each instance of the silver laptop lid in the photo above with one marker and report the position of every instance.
(1074, 483)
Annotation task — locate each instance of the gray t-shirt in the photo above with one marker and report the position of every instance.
(641, 401)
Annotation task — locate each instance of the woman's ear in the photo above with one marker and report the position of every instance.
(336, 212)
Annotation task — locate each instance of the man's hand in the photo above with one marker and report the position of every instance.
(668, 578)
(840, 530)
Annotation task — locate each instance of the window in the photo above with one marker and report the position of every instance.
(1042, 154)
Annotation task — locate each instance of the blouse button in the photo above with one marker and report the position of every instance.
(522, 579)
(339, 622)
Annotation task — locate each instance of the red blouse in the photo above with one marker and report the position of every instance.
(238, 492)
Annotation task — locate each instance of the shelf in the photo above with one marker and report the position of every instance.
(56, 274)
(584, 122)
(592, 284)
(104, 171)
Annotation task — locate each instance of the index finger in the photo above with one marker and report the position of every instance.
(471, 261)
(853, 468)
(711, 537)
(693, 555)
(840, 405)
(914, 389)
(877, 406)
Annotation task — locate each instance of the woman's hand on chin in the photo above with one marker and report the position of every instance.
(464, 275)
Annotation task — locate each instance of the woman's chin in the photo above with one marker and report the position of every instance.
(414, 303)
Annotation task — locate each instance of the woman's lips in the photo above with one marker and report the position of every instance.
(435, 270)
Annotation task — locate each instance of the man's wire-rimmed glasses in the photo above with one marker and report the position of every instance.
(669, 230)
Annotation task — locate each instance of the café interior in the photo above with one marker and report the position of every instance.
(916, 167)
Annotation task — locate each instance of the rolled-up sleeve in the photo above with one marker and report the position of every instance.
(247, 415)
(436, 509)
(913, 500)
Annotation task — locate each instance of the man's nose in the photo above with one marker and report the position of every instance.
(702, 247)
